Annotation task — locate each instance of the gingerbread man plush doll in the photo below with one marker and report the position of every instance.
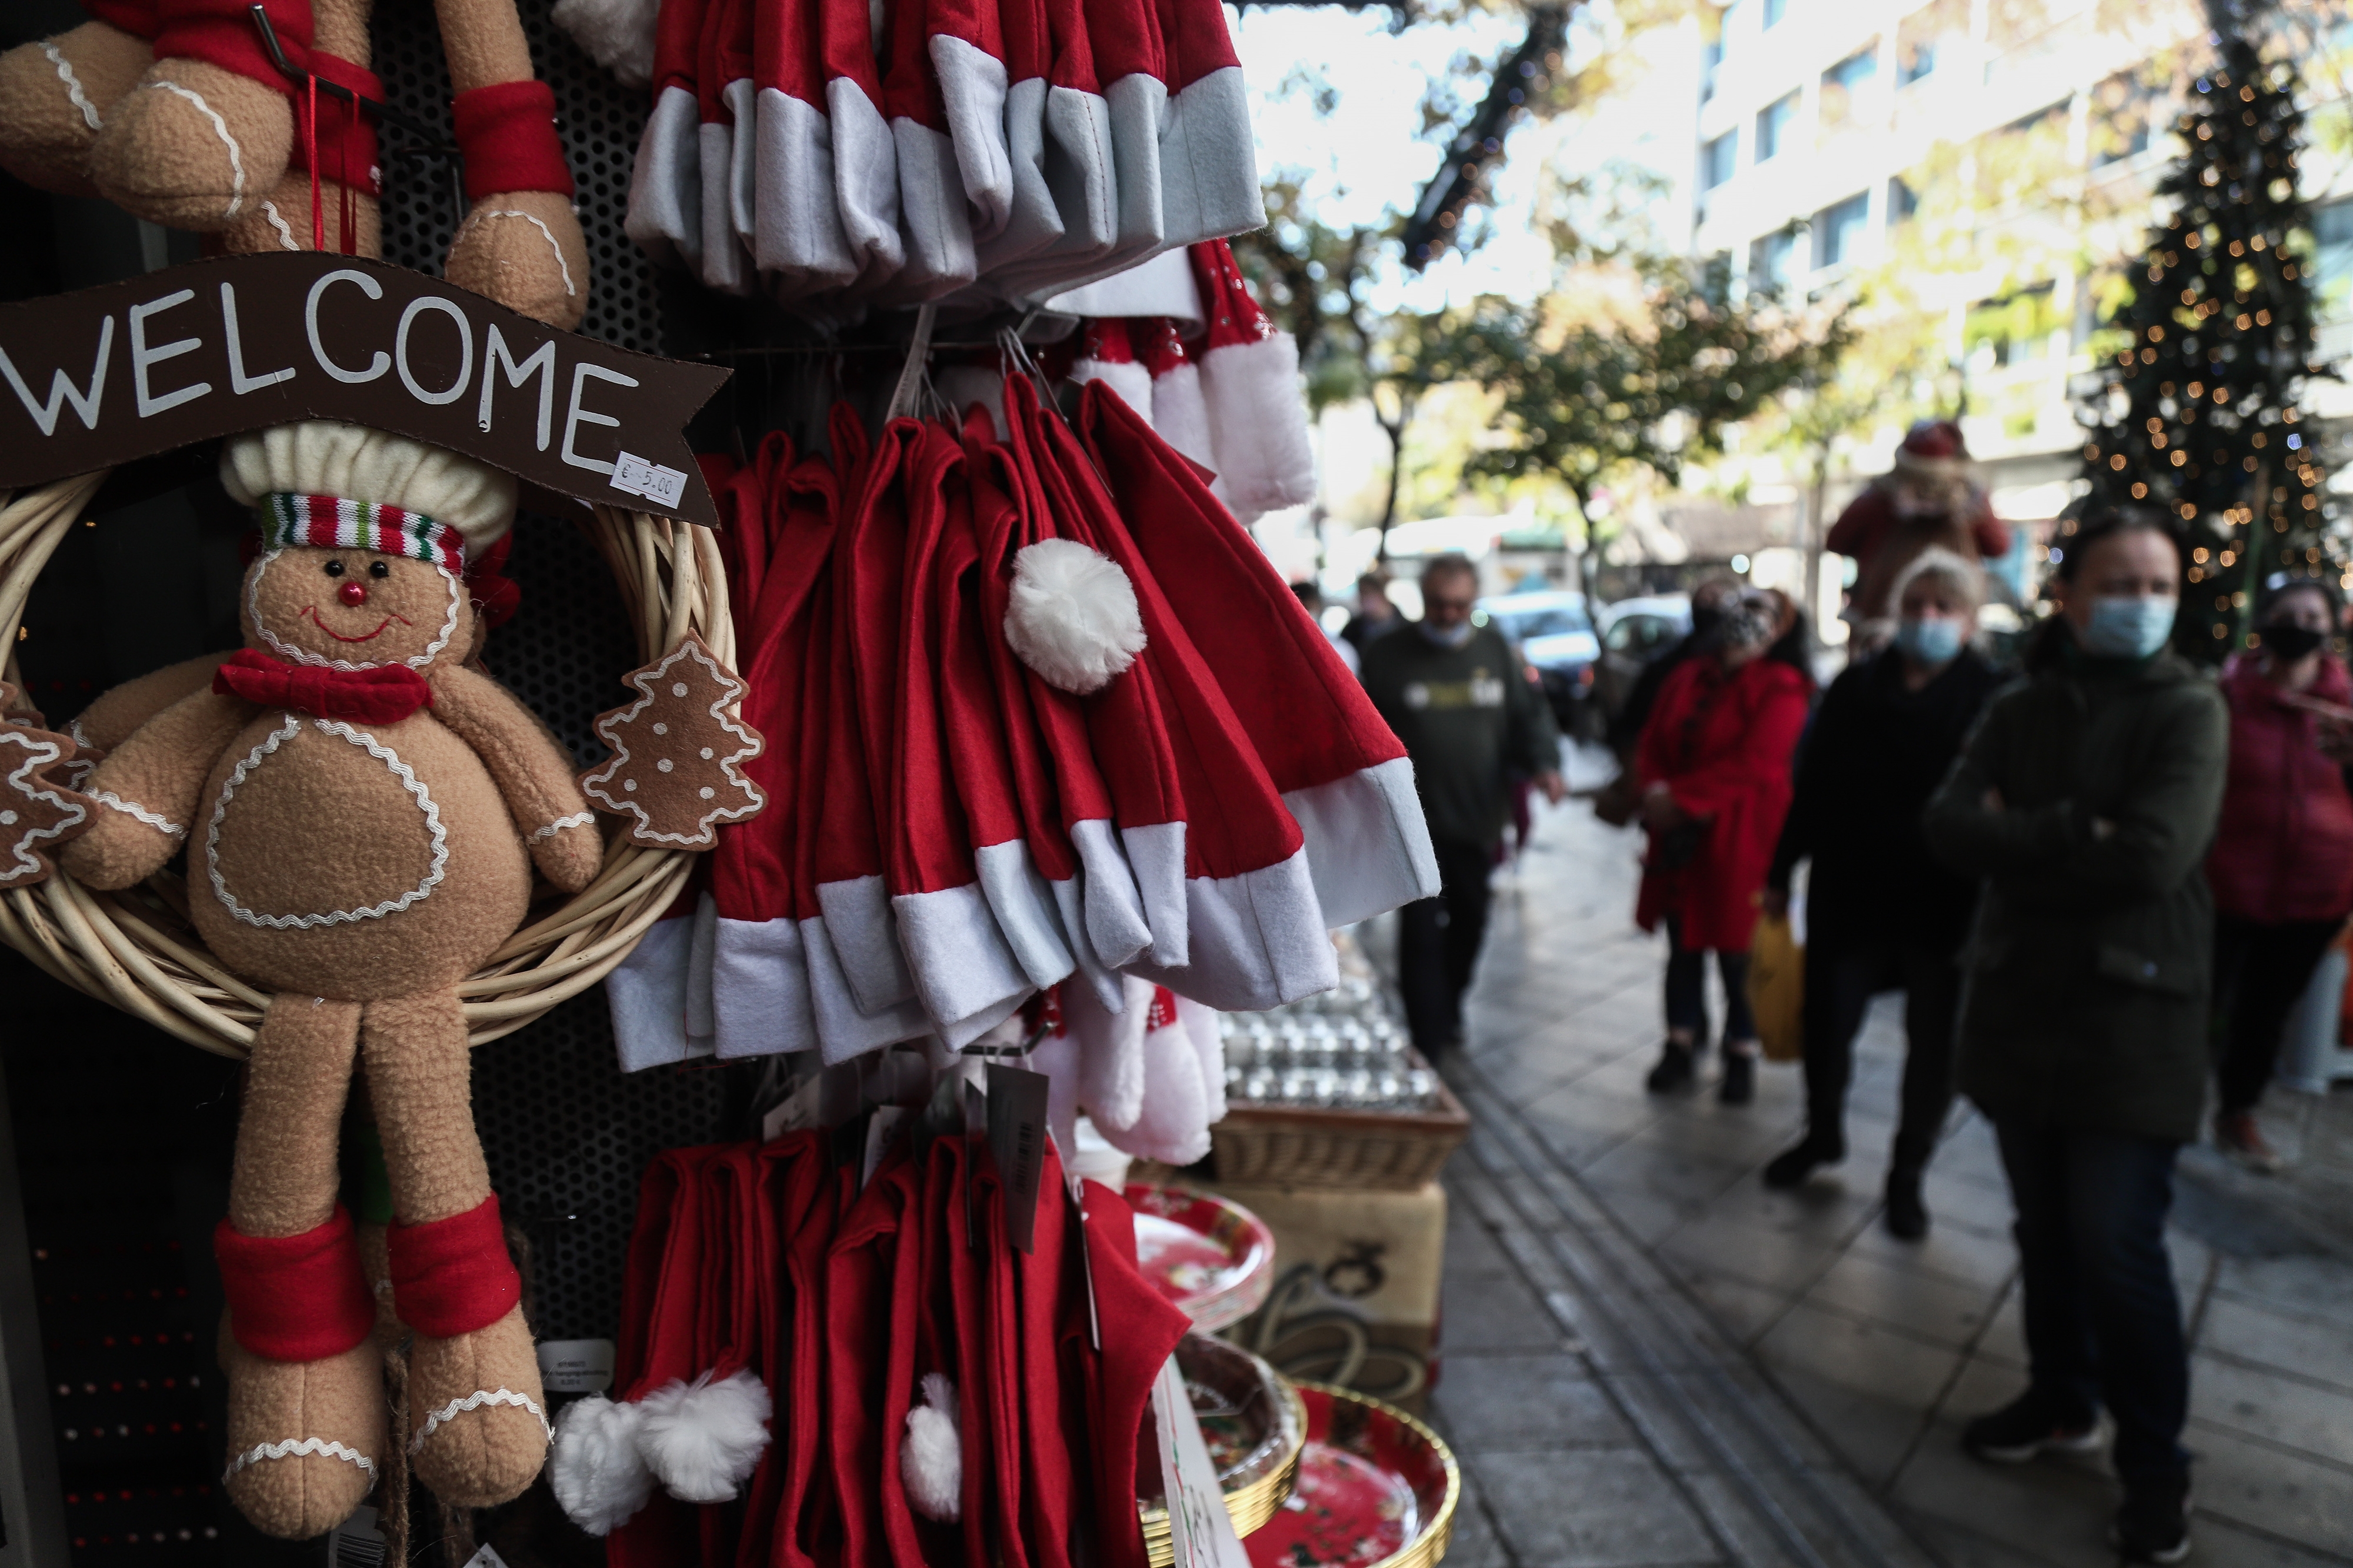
(361, 814)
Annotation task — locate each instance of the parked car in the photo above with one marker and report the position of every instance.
(1554, 634)
(1632, 633)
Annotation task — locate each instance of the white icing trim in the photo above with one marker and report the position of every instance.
(399, 770)
(562, 265)
(220, 129)
(155, 819)
(73, 86)
(577, 820)
(730, 690)
(475, 1401)
(79, 766)
(285, 234)
(43, 753)
(287, 650)
(290, 1447)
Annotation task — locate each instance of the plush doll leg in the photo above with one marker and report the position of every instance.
(306, 1405)
(280, 218)
(281, 221)
(54, 96)
(196, 146)
(478, 1419)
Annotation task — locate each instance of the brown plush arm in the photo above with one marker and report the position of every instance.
(531, 772)
(150, 785)
(109, 721)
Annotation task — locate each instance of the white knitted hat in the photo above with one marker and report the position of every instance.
(351, 462)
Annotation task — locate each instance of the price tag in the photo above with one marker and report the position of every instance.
(636, 476)
(576, 1366)
(1017, 1136)
(1198, 1526)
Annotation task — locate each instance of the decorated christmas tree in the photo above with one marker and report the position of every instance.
(2197, 413)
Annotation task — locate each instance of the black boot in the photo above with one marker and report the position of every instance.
(1907, 1217)
(1738, 1086)
(1675, 1070)
(1794, 1165)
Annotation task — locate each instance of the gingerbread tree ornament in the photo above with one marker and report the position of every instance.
(37, 812)
(678, 752)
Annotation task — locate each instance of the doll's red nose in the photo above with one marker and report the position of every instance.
(353, 593)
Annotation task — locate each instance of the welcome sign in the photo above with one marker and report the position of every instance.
(100, 377)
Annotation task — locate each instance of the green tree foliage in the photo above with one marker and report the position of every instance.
(2197, 411)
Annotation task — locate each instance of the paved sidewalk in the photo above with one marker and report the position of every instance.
(1652, 1360)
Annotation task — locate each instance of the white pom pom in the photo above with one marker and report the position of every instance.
(1073, 617)
(617, 34)
(931, 1457)
(701, 1439)
(594, 1466)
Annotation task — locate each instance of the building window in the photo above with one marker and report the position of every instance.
(1903, 201)
(1844, 81)
(1773, 125)
(1839, 229)
(2015, 328)
(2332, 261)
(1773, 260)
(1775, 10)
(1918, 36)
(2120, 117)
(1717, 159)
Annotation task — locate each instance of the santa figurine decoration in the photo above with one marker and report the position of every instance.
(1931, 498)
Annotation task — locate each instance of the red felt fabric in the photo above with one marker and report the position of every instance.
(1140, 1329)
(385, 695)
(658, 1315)
(785, 1186)
(678, 42)
(136, 17)
(1053, 1488)
(347, 134)
(450, 1277)
(996, 1370)
(1722, 743)
(868, 560)
(930, 845)
(507, 131)
(295, 1297)
(2284, 847)
(860, 1275)
(977, 733)
(221, 32)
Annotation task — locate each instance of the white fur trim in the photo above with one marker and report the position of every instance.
(1256, 412)
(1110, 1071)
(618, 34)
(1138, 106)
(79, 98)
(725, 264)
(1208, 149)
(1075, 160)
(155, 819)
(665, 213)
(972, 89)
(1024, 909)
(1032, 225)
(1155, 853)
(593, 1467)
(865, 941)
(935, 220)
(962, 963)
(647, 991)
(1168, 1116)
(1069, 906)
(1116, 926)
(1367, 846)
(844, 1030)
(220, 129)
(292, 1447)
(1258, 940)
(760, 988)
(931, 1455)
(702, 1439)
(865, 183)
(797, 240)
(1073, 617)
(475, 1401)
(1180, 415)
(1128, 378)
(1163, 286)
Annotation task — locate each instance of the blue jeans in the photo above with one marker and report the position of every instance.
(2102, 1322)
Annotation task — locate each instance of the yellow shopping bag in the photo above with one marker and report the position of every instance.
(1776, 989)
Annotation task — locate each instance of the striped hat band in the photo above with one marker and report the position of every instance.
(333, 522)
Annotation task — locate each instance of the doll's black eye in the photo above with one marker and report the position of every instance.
(334, 568)
(378, 569)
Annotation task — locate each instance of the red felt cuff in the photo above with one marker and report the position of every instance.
(295, 1297)
(450, 1277)
(136, 17)
(507, 131)
(221, 32)
(347, 145)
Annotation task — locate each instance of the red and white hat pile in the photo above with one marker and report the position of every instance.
(837, 154)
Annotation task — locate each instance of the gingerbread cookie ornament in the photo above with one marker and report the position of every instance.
(38, 815)
(679, 752)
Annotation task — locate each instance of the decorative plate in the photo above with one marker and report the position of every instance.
(1207, 1254)
(1376, 1489)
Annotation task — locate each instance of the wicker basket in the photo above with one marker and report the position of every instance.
(136, 949)
(1304, 1146)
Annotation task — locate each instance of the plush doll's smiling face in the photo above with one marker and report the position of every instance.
(353, 606)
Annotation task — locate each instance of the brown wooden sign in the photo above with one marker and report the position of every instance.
(97, 378)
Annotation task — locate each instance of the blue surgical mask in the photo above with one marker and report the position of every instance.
(2130, 626)
(1455, 635)
(1930, 642)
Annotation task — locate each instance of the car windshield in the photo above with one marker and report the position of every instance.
(1542, 621)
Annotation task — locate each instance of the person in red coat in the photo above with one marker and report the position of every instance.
(1713, 769)
(2282, 865)
(1930, 499)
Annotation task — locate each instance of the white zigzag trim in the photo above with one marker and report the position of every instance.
(577, 820)
(287, 650)
(285, 234)
(475, 1401)
(220, 129)
(290, 1447)
(399, 770)
(73, 86)
(39, 755)
(155, 819)
(79, 767)
(562, 266)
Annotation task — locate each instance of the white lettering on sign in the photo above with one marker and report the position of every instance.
(62, 390)
(457, 389)
(143, 358)
(239, 382)
(373, 291)
(575, 416)
(541, 362)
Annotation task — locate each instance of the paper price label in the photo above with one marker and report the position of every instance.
(636, 476)
(1200, 1528)
(576, 1366)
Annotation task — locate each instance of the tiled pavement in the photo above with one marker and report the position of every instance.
(1651, 1360)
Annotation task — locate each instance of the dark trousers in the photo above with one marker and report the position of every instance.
(1438, 945)
(1687, 989)
(2103, 1323)
(2261, 968)
(1840, 980)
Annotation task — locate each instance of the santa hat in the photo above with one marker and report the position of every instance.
(1133, 65)
(1125, 1333)
(1031, 224)
(665, 211)
(1074, 160)
(860, 1287)
(334, 485)
(797, 241)
(1934, 449)
(1163, 286)
(1256, 404)
(1208, 148)
(810, 1235)
(934, 215)
(723, 103)
(1107, 353)
(865, 159)
(1180, 410)
(965, 41)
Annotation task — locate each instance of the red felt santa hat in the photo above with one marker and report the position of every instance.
(1178, 411)
(1131, 61)
(1031, 222)
(784, 1185)
(798, 242)
(1344, 775)
(1255, 403)
(1107, 354)
(722, 89)
(865, 159)
(1206, 146)
(1076, 162)
(665, 211)
(1137, 1329)
(934, 215)
(965, 44)
(859, 1279)
(1934, 449)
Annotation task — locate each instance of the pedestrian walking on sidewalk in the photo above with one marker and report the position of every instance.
(1712, 767)
(1457, 695)
(2282, 867)
(2086, 800)
(1880, 913)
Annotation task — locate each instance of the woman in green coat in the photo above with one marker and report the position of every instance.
(2086, 800)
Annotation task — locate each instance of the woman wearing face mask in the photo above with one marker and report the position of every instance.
(2086, 800)
(1714, 770)
(2282, 869)
(1880, 913)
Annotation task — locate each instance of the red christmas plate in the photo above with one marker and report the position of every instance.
(1376, 1489)
(1209, 1254)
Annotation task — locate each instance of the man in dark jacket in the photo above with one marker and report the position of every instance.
(2086, 800)
(1461, 701)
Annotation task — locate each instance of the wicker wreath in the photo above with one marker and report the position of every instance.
(136, 949)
